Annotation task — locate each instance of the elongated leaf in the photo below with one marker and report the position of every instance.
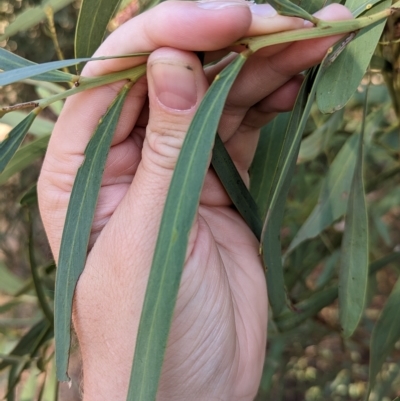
(15, 137)
(9, 283)
(333, 198)
(333, 97)
(235, 187)
(178, 216)
(19, 74)
(94, 17)
(32, 16)
(10, 61)
(78, 224)
(385, 335)
(24, 157)
(286, 7)
(353, 278)
(270, 241)
(266, 160)
(40, 127)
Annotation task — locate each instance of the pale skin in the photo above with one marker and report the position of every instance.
(217, 343)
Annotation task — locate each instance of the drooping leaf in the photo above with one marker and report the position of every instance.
(270, 240)
(30, 71)
(9, 146)
(32, 16)
(235, 187)
(178, 217)
(278, 186)
(353, 277)
(385, 335)
(266, 160)
(333, 197)
(10, 61)
(91, 27)
(24, 157)
(77, 228)
(351, 64)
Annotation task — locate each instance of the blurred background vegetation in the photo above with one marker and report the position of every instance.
(309, 362)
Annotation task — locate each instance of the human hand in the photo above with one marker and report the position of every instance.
(217, 342)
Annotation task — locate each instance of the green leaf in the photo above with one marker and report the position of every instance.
(177, 220)
(24, 157)
(235, 187)
(286, 7)
(19, 74)
(270, 240)
(91, 27)
(32, 16)
(385, 335)
(265, 165)
(332, 202)
(78, 224)
(345, 69)
(40, 127)
(353, 277)
(10, 61)
(15, 137)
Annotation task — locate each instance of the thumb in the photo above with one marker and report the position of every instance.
(176, 86)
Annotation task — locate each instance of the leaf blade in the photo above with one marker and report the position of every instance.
(77, 228)
(178, 216)
(93, 19)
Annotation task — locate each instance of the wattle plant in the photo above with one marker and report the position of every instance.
(287, 144)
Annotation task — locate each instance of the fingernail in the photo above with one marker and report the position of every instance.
(174, 85)
(220, 4)
(263, 10)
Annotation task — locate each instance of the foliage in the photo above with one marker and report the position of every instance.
(323, 201)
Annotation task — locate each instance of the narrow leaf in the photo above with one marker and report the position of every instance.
(10, 61)
(353, 277)
(265, 165)
(334, 97)
(270, 239)
(24, 157)
(235, 187)
(19, 74)
(177, 220)
(32, 16)
(15, 137)
(91, 28)
(385, 335)
(78, 224)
